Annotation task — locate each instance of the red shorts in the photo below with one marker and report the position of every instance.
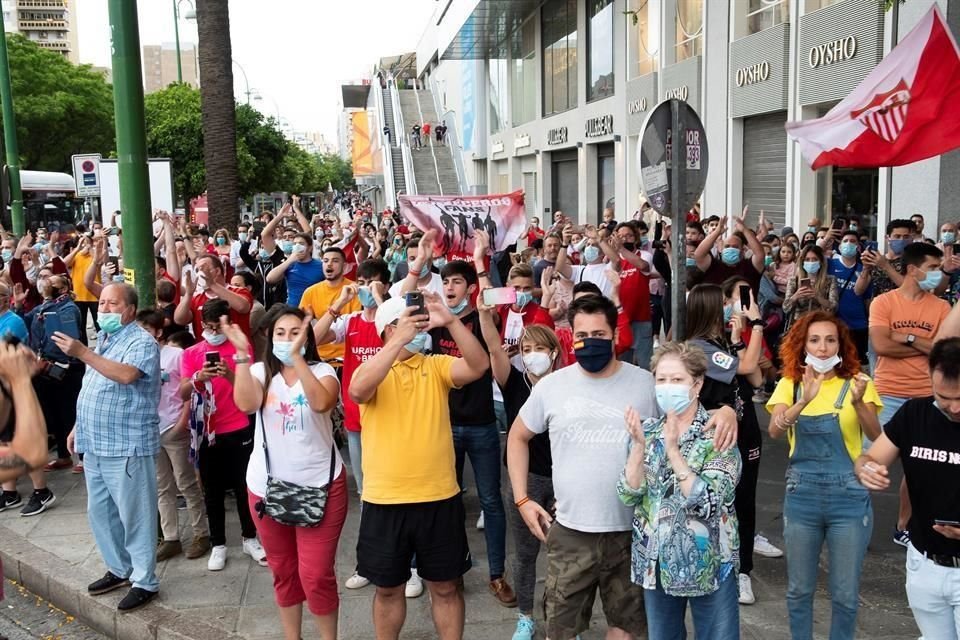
(302, 559)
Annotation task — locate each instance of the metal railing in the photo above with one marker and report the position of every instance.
(433, 154)
(451, 138)
(385, 149)
(408, 175)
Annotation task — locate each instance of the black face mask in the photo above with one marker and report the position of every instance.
(630, 246)
(594, 354)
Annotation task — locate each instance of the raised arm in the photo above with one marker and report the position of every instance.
(301, 219)
(369, 375)
(183, 314)
(702, 254)
(422, 261)
(28, 449)
(499, 360)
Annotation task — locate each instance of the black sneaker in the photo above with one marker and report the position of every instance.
(9, 500)
(135, 599)
(40, 501)
(106, 584)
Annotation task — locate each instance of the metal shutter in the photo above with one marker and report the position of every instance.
(765, 166)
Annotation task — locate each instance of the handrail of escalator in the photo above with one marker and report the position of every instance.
(436, 167)
(408, 173)
(386, 150)
(451, 138)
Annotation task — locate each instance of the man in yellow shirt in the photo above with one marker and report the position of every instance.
(78, 261)
(320, 298)
(411, 499)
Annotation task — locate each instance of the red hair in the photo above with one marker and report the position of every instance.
(793, 348)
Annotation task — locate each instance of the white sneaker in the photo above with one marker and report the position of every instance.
(356, 581)
(762, 547)
(414, 586)
(253, 548)
(746, 590)
(480, 522)
(218, 558)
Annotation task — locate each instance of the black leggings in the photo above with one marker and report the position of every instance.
(746, 497)
(88, 308)
(224, 466)
(58, 401)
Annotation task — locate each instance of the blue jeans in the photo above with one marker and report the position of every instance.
(482, 444)
(642, 343)
(834, 509)
(715, 616)
(356, 457)
(122, 510)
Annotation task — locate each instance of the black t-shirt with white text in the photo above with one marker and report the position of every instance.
(929, 447)
(473, 404)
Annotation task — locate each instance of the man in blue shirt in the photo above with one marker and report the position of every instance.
(853, 284)
(118, 430)
(10, 323)
(301, 269)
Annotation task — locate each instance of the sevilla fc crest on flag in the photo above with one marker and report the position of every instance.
(905, 110)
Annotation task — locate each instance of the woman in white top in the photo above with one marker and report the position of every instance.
(293, 412)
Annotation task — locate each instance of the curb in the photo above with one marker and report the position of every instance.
(43, 573)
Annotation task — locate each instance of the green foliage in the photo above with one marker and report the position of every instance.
(174, 131)
(888, 4)
(61, 108)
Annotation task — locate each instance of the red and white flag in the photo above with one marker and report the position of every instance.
(907, 109)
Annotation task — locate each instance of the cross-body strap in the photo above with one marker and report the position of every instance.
(266, 453)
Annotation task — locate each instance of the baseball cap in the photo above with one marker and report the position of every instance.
(388, 312)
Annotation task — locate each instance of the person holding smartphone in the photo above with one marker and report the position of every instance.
(853, 287)
(812, 287)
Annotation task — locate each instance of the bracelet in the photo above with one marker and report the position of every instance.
(333, 313)
(683, 476)
(241, 359)
(522, 501)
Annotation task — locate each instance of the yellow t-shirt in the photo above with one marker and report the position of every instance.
(406, 438)
(317, 299)
(79, 268)
(823, 403)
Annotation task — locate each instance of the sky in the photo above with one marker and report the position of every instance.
(296, 53)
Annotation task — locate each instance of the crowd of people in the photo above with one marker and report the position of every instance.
(632, 454)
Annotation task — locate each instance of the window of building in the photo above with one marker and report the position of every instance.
(643, 36)
(497, 93)
(599, 49)
(689, 36)
(763, 14)
(559, 33)
(523, 74)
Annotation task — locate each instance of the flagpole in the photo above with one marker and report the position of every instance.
(885, 177)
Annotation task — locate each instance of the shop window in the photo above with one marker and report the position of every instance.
(643, 36)
(689, 31)
(497, 93)
(559, 33)
(763, 14)
(599, 49)
(523, 78)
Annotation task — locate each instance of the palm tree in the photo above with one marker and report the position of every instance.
(218, 112)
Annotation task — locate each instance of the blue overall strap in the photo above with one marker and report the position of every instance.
(838, 405)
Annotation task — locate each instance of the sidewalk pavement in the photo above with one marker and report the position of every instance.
(54, 556)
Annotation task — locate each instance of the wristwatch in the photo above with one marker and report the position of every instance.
(911, 339)
(757, 323)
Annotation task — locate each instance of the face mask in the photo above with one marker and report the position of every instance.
(299, 249)
(109, 322)
(848, 249)
(287, 246)
(691, 262)
(42, 284)
(812, 268)
(243, 236)
(7, 255)
(284, 352)
(644, 241)
(727, 313)
(673, 397)
(931, 280)
(214, 338)
(366, 297)
(456, 310)
(319, 234)
(594, 354)
(630, 246)
(853, 227)
(440, 262)
(767, 261)
(537, 363)
(524, 298)
(898, 245)
(811, 229)
(264, 254)
(31, 273)
(591, 254)
(822, 365)
(221, 241)
(418, 343)
(730, 256)
(945, 414)
(947, 237)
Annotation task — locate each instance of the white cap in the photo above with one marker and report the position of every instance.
(388, 312)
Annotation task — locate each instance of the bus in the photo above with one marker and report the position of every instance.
(49, 201)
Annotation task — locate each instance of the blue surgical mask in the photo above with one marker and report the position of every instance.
(591, 254)
(898, 245)
(458, 309)
(284, 352)
(947, 237)
(221, 241)
(242, 236)
(853, 227)
(848, 249)
(7, 255)
(940, 409)
(932, 280)
(440, 262)
(812, 268)
(287, 246)
(524, 298)
(730, 256)
(812, 229)
(418, 344)
(691, 262)
(366, 297)
(109, 322)
(727, 313)
(673, 397)
(767, 261)
(264, 254)
(214, 338)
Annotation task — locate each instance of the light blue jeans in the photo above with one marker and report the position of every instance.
(122, 510)
(934, 596)
(641, 350)
(715, 616)
(356, 458)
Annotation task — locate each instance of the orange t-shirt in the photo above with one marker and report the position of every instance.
(906, 377)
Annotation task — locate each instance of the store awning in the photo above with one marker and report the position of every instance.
(482, 34)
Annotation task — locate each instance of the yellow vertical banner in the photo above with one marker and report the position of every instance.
(362, 152)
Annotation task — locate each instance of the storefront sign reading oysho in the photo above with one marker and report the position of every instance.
(521, 141)
(680, 93)
(637, 106)
(832, 52)
(599, 126)
(496, 147)
(753, 74)
(557, 136)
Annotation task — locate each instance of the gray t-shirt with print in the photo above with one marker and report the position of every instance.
(588, 440)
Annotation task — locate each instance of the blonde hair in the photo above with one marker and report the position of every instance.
(521, 270)
(693, 358)
(541, 335)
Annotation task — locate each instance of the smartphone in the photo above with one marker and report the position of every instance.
(946, 523)
(115, 261)
(806, 282)
(872, 245)
(415, 299)
(501, 295)
(837, 224)
(51, 323)
(258, 226)
(947, 250)
(744, 296)
(212, 358)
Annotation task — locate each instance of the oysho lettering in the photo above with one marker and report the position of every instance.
(832, 52)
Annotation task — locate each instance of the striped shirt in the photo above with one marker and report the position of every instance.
(121, 420)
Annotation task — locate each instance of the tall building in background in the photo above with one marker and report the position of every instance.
(49, 23)
(160, 65)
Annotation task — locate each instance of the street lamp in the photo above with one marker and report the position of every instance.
(276, 107)
(189, 15)
(246, 81)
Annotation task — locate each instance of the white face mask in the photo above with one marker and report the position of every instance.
(538, 363)
(822, 365)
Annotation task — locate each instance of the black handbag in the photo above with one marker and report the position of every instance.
(293, 504)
